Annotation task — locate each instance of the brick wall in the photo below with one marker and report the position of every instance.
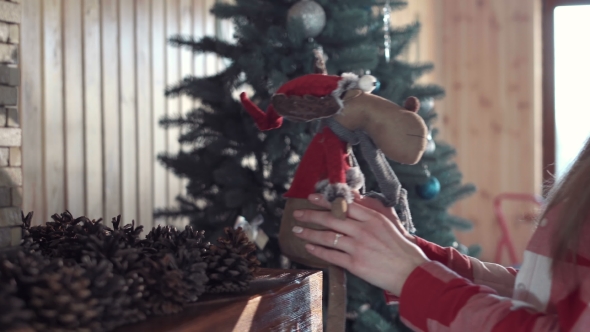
(11, 179)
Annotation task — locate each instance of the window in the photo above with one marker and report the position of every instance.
(566, 82)
(572, 82)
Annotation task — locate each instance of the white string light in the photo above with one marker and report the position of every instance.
(386, 30)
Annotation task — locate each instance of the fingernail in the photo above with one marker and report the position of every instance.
(298, 213)
(315, 197)
(310, 247)
(297, 229)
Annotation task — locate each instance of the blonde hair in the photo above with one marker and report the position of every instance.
(572, 195)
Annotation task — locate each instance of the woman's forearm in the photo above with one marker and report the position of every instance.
(492, 275)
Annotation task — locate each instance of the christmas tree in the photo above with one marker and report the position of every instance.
(234, 170)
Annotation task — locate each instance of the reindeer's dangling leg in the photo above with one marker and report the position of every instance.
(294, 248)
(336, 320)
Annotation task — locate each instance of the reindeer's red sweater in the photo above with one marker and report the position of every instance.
(326, 157)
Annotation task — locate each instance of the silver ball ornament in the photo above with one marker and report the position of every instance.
(311, 14)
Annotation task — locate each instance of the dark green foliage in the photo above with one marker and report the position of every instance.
(233, 169)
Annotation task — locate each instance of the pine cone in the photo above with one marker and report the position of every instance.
(101, 247)
(189, 234)
(237, 241)
(45, 238)
(13, 313)
(154, 283)
(111, 292)
(97, 278)
(131, 265)
(58, 295)
(194, 268)
(130, 232)
(165, 285)
(161, 238)
(61, 237)
(168, 239)
(231, 263)
(127, 263)
(187, 248)
(61, 299)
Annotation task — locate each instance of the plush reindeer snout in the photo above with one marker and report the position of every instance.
(397, 131)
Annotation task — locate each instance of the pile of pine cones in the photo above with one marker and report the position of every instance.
(77, 274)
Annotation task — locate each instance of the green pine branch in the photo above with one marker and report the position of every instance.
(206, 45)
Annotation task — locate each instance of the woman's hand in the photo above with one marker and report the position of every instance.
(367, 243)
(388, 212)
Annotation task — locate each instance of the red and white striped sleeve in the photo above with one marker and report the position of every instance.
(434, 298)
(495, 276)
(499, 278)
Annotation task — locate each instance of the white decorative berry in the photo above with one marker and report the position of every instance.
(367, 83)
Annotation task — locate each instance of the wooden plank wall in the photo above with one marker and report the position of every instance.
(487, 55)
(94, 74)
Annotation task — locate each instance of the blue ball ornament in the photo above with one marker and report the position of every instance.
(428, 190)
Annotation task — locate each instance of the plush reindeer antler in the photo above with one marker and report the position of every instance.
(306, 108)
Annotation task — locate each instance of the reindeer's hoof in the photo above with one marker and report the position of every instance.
(291, 246)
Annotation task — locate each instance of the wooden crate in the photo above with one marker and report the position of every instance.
(278, 300)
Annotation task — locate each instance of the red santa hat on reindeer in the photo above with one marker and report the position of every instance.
(317, 85)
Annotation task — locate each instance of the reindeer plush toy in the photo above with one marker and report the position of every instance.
(350, 115)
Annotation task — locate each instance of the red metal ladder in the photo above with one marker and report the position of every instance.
(505, 238)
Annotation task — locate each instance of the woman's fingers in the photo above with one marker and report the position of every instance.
(319, 200)
(326, 219)
(375, 204)
(326, 239)
(330, 255)
(355, 210)
(366, 226)
(371, 246)
(365, 209)
(356, 195)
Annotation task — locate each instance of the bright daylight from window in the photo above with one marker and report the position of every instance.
(572, 82)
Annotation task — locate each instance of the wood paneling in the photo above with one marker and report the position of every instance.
(74, 106)
(172, 77)
(111, 109)
(93, 152)
(159, 137)
(32, 108)
(128, 113)
(487, 56)
(145, 156)
(53, 120)
(94, 74)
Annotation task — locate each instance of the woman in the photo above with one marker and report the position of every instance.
(440, 289)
